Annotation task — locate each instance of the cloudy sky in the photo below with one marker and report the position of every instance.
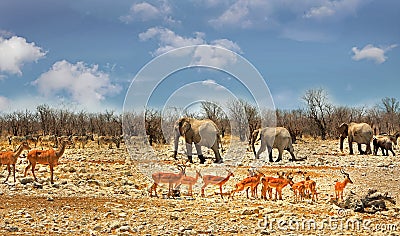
(85, 54)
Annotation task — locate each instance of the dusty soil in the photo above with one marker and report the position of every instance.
(100, 191)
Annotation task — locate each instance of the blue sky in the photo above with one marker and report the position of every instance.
(84, 54)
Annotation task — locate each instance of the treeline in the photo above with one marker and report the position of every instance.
(318, 118)
(50, 121)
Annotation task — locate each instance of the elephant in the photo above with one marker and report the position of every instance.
(201, 133)
(278, 137)
(361, 133)
(383, 142)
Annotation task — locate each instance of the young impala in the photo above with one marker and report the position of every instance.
(10, 158)
(215, 180)
(298, 190)
(166, 177)
(339, 186)
(278, 184)
(311, 188)
(249, 182)
(190, 181)
(265, 188)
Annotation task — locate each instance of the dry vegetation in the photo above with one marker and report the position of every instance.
(102, 192)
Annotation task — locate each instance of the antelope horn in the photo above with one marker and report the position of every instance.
(342, 171)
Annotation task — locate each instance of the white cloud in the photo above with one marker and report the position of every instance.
(4, 103)
(319, 12)
(338, 9)
(243, 14)
(145, 11)
(228, 44)
(283, 14)
(15, 52)
(212, 84)
(235, 15)
(369, 52)
(141, 11)
(85, 85)
(169, 40)
(215, 57)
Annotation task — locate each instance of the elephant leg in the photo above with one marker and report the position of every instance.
(279, 155)
(383, 151)
(218, 158)
(262, 149)
(392, 152)
(271, 159)
(200, 154)
(351, 146)
(368, 150)
(189, 151)
(291, 151)
(360, 149)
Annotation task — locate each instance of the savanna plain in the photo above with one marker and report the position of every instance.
(105, 191)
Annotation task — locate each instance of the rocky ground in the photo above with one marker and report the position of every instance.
(101, 191)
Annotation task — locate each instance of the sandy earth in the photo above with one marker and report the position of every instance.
(100, 191)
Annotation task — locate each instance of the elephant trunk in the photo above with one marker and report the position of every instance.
(341, 143)
(253, 139)
(176, 140)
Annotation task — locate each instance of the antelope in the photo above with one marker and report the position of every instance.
(265, 188)
(167, 177)
(16, 140)
(46, 157)
(10, 158)
(215, 180)
(278, 184)
(50, 140)
(31, 140)
(83, 140)
(339, 186)
(109, 140)
(190, 181)
(310, 188)
(249, 182)
(298, 190)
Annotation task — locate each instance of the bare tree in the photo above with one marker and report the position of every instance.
(238, 119)
(245, 117)
(294, 120)
(390, 108)
(214, 112)
(153, 126)
(319, 109)
(390, 105)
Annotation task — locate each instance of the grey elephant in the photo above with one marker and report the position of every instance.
(201, 133)
(384, 143)
(278, 137)
(361, 133)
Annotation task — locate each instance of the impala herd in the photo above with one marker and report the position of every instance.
(306, 188)
(49, 156)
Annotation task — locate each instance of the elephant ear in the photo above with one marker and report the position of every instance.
(343, 130)
(184, 126)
